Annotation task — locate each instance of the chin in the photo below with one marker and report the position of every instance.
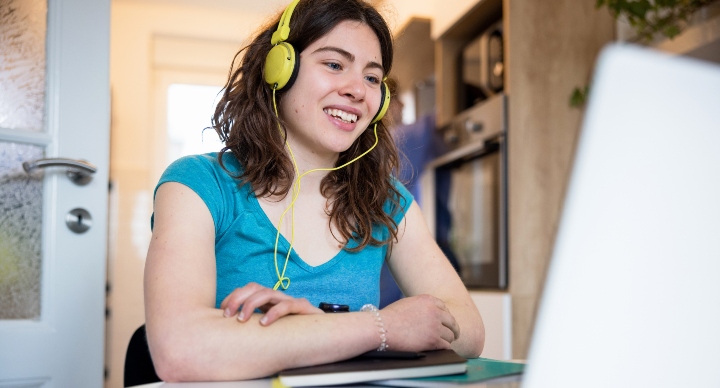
(340, 146)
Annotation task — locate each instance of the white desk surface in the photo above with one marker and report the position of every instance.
(262, 383)
(510, 382)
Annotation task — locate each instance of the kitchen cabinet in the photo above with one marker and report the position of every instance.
(550, 47)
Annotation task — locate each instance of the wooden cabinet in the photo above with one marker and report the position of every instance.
(448, 51)
(550, 47)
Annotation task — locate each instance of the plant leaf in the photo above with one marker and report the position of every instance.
(639, 8)
(579, 96)
(671, 31)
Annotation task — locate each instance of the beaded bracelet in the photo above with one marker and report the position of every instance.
(381, 327)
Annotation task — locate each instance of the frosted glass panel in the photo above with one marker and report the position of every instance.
(20, 232)
(23, 24)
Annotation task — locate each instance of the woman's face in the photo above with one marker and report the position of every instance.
(336, 93)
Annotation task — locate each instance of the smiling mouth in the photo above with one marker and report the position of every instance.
(341, 115)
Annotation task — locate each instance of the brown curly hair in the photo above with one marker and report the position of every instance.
(245, 121)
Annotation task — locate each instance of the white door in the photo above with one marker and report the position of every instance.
(52, 307)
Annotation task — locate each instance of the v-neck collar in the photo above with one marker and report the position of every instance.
(285, 244)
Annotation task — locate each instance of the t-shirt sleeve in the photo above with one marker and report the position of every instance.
(404, 200)
(199, 175)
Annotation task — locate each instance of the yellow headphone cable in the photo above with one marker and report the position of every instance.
(284, 281)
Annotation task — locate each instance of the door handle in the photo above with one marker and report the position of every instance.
(79, 171)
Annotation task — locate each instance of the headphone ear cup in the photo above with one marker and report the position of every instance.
(384, 103)
(281, 66)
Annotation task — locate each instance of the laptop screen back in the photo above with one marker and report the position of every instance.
(632, 295)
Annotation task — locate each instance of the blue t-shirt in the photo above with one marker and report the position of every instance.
(245, 240)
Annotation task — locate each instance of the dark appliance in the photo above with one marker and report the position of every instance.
(482, 67)
(469, 184)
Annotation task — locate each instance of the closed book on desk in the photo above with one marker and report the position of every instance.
(357, 370)
(479, 371)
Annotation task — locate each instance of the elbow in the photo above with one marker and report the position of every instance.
(471, 346)
(171, 365)
(174, 357)
(479, 342)
(187, 357)
(478, 337)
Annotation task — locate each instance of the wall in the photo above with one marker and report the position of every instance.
(143, 48)
(398, 13)
(552, 46)
(551, 49)
(146, 45)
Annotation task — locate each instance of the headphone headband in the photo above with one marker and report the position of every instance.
(283, 30)
(282, 62)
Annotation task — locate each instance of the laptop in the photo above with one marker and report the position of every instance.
(632, 295)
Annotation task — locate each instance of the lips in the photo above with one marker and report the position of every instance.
(341, 115)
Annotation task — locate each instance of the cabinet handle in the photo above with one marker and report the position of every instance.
(79, 171)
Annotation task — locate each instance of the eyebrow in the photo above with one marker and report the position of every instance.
(349, 56)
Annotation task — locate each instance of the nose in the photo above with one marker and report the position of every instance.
(353, 88)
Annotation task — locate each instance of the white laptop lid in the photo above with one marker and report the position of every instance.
(632, 296)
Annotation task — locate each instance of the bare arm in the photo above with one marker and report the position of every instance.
(192, 340)
(420, 267)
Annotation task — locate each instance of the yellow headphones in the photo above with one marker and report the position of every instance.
(282, 62)
(281, 69)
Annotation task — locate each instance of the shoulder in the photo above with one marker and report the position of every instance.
(192, 163)
(201, 169)
(215, 184)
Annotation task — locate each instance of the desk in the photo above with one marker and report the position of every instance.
(508, 382)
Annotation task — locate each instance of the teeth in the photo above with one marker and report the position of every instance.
(342, 115)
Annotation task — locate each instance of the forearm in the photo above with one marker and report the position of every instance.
(205, 345)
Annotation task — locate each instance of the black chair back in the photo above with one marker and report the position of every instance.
(139, 368)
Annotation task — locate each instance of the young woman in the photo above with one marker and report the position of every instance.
(243, 251)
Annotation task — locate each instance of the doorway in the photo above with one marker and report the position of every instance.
(157, 57)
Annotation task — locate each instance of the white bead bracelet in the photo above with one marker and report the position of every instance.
(381, 327)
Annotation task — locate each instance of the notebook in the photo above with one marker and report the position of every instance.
(480, 371)
(356, 370)
(632, 295)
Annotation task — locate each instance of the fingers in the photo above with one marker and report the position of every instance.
(447, 319)
(263, 298)
(250, 297)
(288, 307)
(421, 322)
(447, 336)
(274, 304)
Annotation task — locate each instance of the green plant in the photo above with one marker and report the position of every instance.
(651, 17)
(648, 18)
(579, 96)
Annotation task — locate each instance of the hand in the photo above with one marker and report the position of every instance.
(274, 304)
(419, 323)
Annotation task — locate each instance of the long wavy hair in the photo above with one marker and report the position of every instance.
(245, 121)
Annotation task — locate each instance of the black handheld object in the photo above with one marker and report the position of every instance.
(392, 354)
(334, 307)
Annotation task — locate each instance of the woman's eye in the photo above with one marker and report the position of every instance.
(373, 79)
(334, 66)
